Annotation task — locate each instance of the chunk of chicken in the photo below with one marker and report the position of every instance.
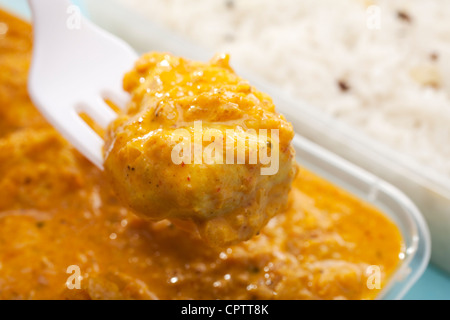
(199, 144)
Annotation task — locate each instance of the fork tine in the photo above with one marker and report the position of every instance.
(93, 150)
(82, 133)
(79, 134)
(118, 97)
(99, 111)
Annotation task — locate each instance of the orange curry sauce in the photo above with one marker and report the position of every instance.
(56, 211)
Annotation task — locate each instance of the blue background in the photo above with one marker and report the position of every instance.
(434, 284)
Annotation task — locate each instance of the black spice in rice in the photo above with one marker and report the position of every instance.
(434, 56)
(402, 15)
(343, 85)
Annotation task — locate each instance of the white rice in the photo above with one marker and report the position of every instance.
(394, 73)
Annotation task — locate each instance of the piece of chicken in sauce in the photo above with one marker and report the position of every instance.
(200, 146)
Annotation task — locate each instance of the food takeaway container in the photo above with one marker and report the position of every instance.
(144, 35)
(312, 130)
(428, 190)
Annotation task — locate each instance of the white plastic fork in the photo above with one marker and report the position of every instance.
(75, 67)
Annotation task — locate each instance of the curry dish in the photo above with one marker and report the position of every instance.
(57, 210)
(228, 201)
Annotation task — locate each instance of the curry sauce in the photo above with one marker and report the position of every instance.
(57, 211)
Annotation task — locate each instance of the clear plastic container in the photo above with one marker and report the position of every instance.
(144, 35)
(428, 190)
(361, 183)
(387, 198)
